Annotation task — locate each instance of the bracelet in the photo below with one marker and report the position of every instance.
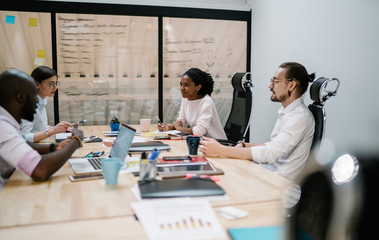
(79, 140)
(51, 147)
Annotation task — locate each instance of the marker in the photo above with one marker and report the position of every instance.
(82, 121)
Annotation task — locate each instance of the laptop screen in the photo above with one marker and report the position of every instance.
(123, 142)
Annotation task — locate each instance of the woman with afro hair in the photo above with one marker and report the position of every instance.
(198, 114)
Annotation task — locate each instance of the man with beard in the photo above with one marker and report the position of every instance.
(18, 100)
(292, 136)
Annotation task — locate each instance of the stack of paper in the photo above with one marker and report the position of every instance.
(179, 218)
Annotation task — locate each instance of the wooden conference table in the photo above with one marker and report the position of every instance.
(61, 209)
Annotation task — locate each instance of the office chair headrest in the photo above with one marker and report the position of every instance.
(336, 198)
(319, 91)
(241, 80)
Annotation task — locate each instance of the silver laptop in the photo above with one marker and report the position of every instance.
(119, 150)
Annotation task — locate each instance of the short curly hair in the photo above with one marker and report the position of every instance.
(200, 77)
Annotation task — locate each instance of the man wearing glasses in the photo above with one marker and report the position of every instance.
(292, 136)
(38, 129)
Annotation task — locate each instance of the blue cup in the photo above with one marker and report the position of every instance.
(115, 126)
(193, 144)
(111, 168)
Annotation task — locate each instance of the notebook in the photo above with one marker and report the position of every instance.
(119, 150)
(260, 233)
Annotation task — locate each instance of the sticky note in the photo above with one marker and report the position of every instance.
(33, 22)
(39, 61)
(41, 53)
(10, 19)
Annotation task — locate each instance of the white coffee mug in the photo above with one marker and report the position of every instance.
(145, 124)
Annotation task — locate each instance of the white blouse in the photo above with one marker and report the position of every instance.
(201, 115)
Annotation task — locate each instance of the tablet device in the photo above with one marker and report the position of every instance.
(172, 171)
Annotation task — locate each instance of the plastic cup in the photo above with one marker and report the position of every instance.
(193, 144)
(111, 168)
(145, 124)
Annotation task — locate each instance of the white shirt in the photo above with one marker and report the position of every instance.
(14, 150)
(201, 115)
(291, 140)
(39, 123)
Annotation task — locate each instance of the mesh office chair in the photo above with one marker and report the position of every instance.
(319, 93)
(237, 125)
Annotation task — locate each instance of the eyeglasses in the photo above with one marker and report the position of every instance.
(52, 84)
(276, 81)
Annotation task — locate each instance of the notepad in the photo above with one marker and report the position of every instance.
(257, 233)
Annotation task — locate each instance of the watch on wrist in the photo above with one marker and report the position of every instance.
(47, 133)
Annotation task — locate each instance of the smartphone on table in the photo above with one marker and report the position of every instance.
(76, 178)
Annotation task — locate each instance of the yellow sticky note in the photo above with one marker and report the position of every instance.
(39, 61)
(41, 53)
(33, 22)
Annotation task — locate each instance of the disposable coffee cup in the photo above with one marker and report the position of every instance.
(145, 124)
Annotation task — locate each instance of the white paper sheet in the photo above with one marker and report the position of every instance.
(179, 218)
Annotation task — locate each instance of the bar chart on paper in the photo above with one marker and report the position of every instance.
(184, 224)
(179, 219)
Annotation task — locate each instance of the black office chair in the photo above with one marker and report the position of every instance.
(319, 94)
(336, 198)
(237, 125)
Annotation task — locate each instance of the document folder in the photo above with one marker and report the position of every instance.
(194, 187)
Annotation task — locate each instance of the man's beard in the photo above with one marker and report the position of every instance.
(281, 98)
(29, 110)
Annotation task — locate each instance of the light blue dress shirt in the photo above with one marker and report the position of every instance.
(38, 124)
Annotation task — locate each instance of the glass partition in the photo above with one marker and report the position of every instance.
(107, 64)
(25, 39)
(215, 46)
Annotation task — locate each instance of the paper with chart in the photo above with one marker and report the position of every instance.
(179, 218)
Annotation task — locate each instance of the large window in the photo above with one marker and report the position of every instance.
(218, 47)
(124, 59)
(25, 39)
(107, 64)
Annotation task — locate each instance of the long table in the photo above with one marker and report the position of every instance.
(61, 209)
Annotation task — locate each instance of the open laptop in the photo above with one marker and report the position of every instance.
(119, 150)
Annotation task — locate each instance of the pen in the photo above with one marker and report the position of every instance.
(159, 120)
(82, 121)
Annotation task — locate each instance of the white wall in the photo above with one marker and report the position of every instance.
(338, 38)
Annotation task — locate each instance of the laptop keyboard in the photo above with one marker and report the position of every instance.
(95, 162)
